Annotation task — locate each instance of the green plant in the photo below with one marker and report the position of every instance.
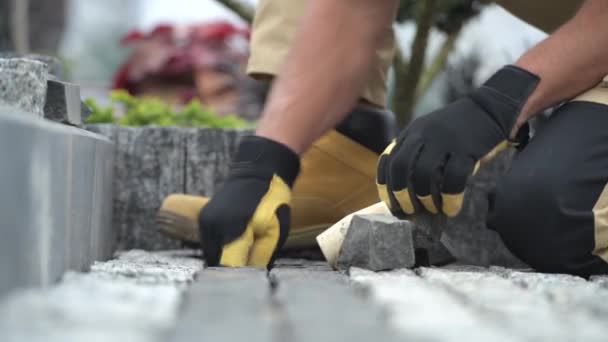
(98, 113)
(152, 111)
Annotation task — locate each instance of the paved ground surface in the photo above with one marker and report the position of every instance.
(169, 296)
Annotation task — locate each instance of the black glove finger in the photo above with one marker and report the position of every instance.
(400, 173)
(427, 177)
(456, 173)
(522, 137)
(211, 242)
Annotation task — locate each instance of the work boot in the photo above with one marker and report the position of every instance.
(337, 177)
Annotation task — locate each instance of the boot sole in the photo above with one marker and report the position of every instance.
(179, 227)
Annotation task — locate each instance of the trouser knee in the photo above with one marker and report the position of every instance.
(551, 208)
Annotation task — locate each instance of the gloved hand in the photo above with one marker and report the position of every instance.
(427, 167)
(247, 220)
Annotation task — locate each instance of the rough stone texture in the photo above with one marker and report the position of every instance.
(471, 303)
(377, 242)
(430, 251)
(466, 236)
(55, 65)
(323, 306)
(228, 305)
(137, 296)
(149, 165)
(208, 155)
(569, 294)
(63, 103)
(152, 162)
(601, 280)
(133, 298)
(23, 84)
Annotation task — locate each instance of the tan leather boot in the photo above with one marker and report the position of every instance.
(337, 178)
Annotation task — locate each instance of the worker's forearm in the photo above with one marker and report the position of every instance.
(572, 60)
(325, 70)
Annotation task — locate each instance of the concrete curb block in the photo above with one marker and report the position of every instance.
(55, 197)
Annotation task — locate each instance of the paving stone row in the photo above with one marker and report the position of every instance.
(139, 296)
(321, 305)
(298, 301)
(228, 305)
(483, 304)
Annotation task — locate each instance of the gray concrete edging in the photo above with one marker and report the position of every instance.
(55, 199)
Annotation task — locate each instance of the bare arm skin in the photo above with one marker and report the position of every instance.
(571, 61)
(325, 70)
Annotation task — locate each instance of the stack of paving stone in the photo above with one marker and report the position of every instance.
(34, 84)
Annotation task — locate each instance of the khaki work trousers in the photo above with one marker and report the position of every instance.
(276, 22)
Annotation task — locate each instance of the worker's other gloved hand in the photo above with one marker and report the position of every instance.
(427, 167)
(247, 220)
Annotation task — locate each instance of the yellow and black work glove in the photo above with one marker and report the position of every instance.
(247, 220)
(427, 167)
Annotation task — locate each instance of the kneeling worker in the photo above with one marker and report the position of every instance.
(551, 208)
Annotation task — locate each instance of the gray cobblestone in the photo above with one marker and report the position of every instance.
(377, 242)
(135, 297)
(324, 307)
(228, 305)
(489, 304)
(23, 84)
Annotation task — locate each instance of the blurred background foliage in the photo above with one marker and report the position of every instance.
(412, 77)
(128, 110)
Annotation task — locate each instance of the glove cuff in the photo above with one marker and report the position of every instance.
(513, 82)
(259, 156)
(503, 96)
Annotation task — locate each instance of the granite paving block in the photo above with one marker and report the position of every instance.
(524, 313)
(55, 65)
(466, 235)
(153, 162)
(149, 165)
(23, 84)
(567, 293)
(377, 242)
(63, 103)
(429, 250)
(422, 311)
(323, 306)
(135, 298)
(601, 280)
(208, 155)
(137, 229)
(228, 305)
(302, 264)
